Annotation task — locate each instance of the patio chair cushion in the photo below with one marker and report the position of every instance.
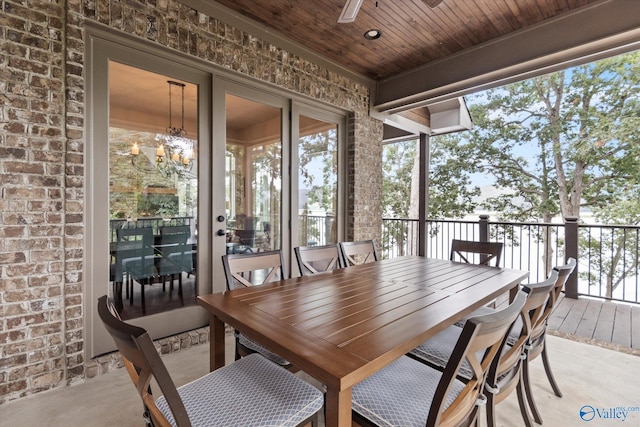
(259, 348)
(400, 394)
(437, 350)
(252, 391)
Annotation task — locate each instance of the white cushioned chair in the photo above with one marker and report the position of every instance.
(252, 391)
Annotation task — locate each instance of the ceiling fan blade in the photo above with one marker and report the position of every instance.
(432, 3)
(349, 11)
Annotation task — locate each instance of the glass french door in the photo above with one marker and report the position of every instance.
(282, 167)
(255, 186)
(148, 158)
(317, 162)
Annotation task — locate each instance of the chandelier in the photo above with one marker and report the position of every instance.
(174, 152)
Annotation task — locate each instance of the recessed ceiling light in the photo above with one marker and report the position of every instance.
(372, 34)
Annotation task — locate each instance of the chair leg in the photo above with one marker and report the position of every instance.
(238, 355)
(522, 402)
(117, 295)
(528, 392)
(142, 296)
(547, 369)
(490, 409)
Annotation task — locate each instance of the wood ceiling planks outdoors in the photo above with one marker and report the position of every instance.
(413, 32)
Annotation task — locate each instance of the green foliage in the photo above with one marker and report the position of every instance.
(397, 164)
(451, 193)
(320, 148)
(553, 145)
(563, 141)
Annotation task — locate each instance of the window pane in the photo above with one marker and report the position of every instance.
(253, 176)
(152, 191)
(317, 181)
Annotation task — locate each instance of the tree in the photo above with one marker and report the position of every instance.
(318, 172)
(558, 143)
(451, 192)
(613, 253)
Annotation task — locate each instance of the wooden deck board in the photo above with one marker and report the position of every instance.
(606, 323)
(622, 325)
(560, 313)
(589, 319)
(604, 328)
(571, 322)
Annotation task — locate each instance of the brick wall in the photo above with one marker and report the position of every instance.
(42, 165)
(33, 221)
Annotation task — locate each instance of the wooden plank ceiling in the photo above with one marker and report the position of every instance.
(413, 33)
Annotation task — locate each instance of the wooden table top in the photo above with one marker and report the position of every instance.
(342, 326)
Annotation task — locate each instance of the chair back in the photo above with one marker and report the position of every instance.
(508, 370)
(143, 364)
(243, 270)
(134, 253)
(360, 252)
(471, 252)
(539, 328)
(177, 255)
(318, 259)
(480, 344)
(564, 271)
(246, 237)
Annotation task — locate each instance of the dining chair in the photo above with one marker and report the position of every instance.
(537, 345)
(253, 391)
(472, 252)
(246, 241)
(480, 253)
(318, 259)
(411, 393)
(509, 371)
(250, 269)
(174, 254)
(359, 252)
(135, 259)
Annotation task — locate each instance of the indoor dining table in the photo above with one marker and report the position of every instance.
(342, 326)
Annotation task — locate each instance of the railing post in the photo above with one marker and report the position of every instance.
(423, 186)
(571, 251)
(483, 224)
(328, 222)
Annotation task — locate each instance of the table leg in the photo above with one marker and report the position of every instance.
(513, 293)
(338, 407)
(216, 342)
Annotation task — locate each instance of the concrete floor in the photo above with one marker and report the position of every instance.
(587, 375)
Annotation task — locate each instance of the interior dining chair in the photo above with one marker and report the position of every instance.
(411, 393)
(359, 252)
(252, 391)
(135, 257)
(472, 252)
(537, 345)
(251, 269)
(509, 372)
(175, 255)
(318, 259)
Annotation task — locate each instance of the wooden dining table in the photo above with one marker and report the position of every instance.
(342, 326)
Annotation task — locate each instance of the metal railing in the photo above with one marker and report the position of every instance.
(608, 256)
